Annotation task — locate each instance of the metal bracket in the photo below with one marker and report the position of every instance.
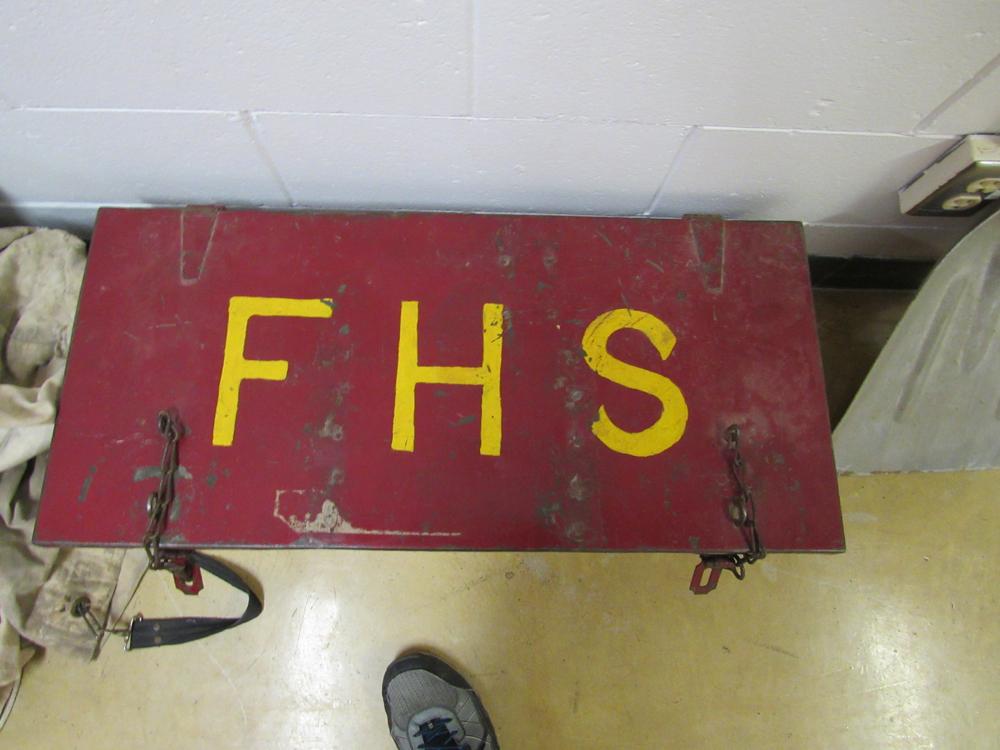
(714, 564)
(187, 573)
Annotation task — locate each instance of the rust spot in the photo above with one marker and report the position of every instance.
(569, 357)
(576, 532)
(549, 259)
(501, 238)
(85, 487)
(548, 513)
(341, 393)
(175, 507)
(508, 321)
(331, 429)
(573, 398)
(578, 489)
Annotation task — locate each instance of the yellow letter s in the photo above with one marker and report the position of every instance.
(666, 430)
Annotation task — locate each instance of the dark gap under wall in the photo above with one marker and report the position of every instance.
(858, 303)
(827, 272)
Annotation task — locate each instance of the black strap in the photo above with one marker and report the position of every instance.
(146, 633)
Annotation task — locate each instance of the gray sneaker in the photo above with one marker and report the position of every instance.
(430, 706)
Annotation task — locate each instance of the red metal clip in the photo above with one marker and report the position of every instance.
(187, 575)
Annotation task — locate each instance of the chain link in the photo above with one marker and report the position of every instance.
(742, 510)
(159, 502)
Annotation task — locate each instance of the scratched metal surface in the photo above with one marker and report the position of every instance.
(311, 463)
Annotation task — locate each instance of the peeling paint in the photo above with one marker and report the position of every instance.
(576, 531)
(548, 513)
(143, 473)
(569, 357)
(330, 521)
(578, 489)
(331, 429)
(508, 322)
(341, 393)
(175, 508)
(574, 396)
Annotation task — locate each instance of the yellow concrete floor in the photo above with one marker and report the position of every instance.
(893, 645)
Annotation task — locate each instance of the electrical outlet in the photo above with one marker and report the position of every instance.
(963, 181)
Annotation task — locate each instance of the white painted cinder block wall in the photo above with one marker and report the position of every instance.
(806, 110)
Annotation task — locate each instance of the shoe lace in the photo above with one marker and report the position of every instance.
(435, 735)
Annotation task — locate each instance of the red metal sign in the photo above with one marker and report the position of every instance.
(443, 381)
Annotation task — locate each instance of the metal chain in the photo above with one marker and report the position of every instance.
(743, 511)
(159, 502)
(187, 573)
